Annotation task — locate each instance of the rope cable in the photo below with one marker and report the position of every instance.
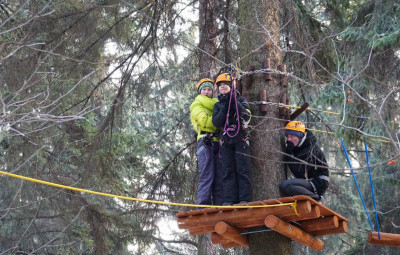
(358, 187)
(291, 204)
(370, 178)
(236, 128)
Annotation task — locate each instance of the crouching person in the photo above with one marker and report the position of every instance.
(307, 163)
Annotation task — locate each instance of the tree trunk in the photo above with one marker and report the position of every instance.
(208, 31)
(207, 48)
(259, 36)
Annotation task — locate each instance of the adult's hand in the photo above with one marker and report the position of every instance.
(289, 147)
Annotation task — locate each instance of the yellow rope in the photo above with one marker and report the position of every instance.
(295, 207)
(311, 109)
(332, 133)
(293, 204)
(321, 131)
(307, 109)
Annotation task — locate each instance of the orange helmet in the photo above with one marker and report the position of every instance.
(223, 77)
(203, 81)
(296, 128)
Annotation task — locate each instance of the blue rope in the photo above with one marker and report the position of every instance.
(370, 179)
(372, 188)
(358, 188)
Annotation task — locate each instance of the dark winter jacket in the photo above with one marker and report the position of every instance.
(309, 152)
(221, 109)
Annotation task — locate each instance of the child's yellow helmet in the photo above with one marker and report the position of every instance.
(223, 77)
(201, 82)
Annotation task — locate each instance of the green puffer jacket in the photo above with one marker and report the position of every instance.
(201, 112)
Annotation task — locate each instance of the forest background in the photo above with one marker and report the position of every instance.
(96, 95)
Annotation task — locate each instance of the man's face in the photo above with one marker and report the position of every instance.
(294, 139)
(224, 88)
(206, 91)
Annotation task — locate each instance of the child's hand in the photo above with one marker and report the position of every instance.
(207, 140)
(224, 98)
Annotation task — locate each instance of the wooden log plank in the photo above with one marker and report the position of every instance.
(283, 78)
(216, 238)
(246, 95)
(219, 209)
(210, 229)
(297, 113)
(263, 98)
(273, 201)
(270, 201)
(241, 215)
(267, 64)
(387, 239)
(342, 228)
(200, 230)
(210, 210)
(245, 219)
(230, 245)
(225, 243)
(188, 215)
(325, 211)
(181, 214)
(248, 79)
(324, 223)
(195, 212)
(216, 209)
(293, 233)
(248, 223)
(314, 214)
(231, 233)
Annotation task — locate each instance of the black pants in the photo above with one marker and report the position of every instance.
(235, 161)
(293, 187)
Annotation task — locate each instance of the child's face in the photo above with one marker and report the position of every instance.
(206, 91)
(224, 88)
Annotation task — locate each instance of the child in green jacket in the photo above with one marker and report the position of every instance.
(210, 178)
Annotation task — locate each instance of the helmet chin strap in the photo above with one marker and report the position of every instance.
(302, 140)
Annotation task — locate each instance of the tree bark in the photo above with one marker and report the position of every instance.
(207, 48)
(208, 31)
(259, 36)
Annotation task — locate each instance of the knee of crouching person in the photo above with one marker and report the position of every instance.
(283, 187)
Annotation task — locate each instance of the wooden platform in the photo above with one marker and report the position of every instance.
(386, 239)
(227, 225)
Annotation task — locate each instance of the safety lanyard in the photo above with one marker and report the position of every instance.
(227, 129)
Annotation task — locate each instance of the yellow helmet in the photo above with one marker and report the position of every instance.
(223, 77)
(296, 128)
(199, 87)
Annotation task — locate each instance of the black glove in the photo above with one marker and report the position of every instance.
(207, 139)
(289, 147)
(224, 98)
(233, 106)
